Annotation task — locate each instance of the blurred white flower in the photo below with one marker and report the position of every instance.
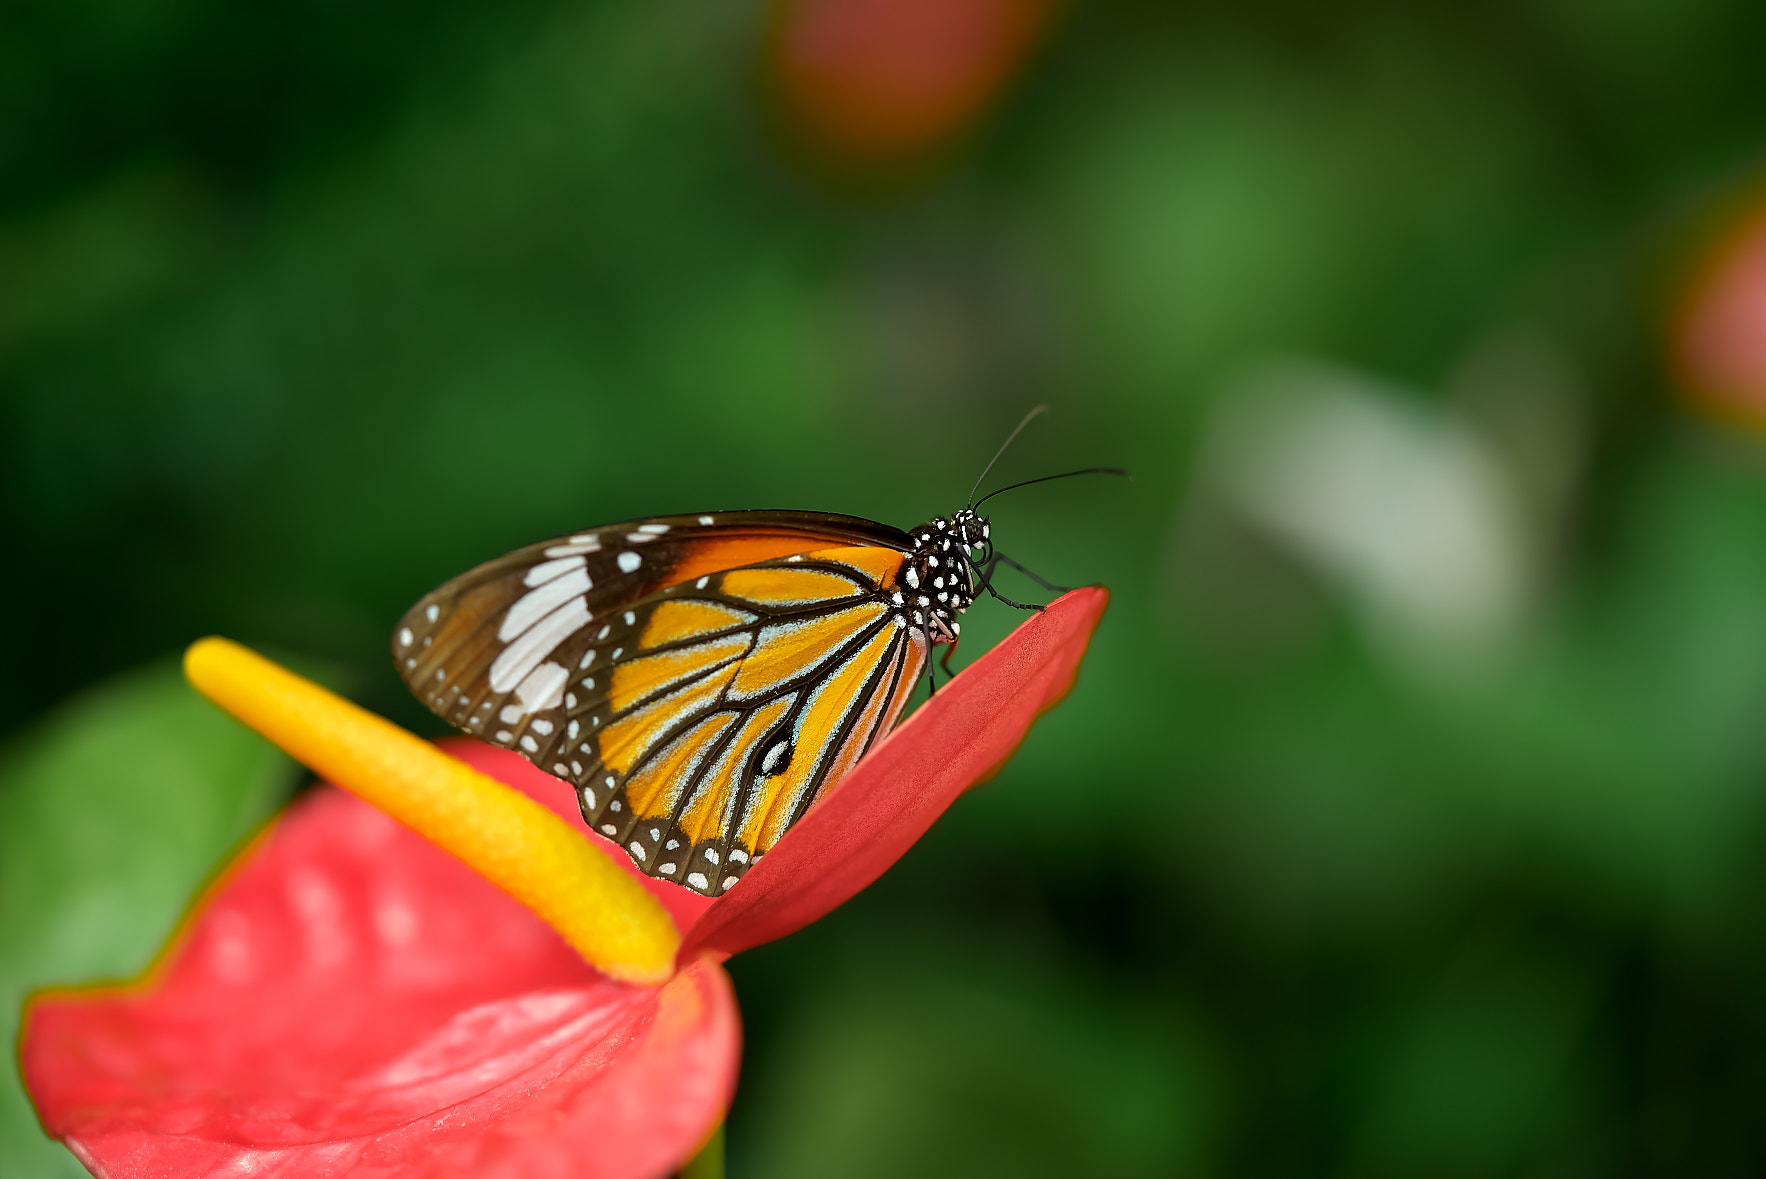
(1407, 508)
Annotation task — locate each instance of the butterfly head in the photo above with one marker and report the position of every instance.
(972, 532)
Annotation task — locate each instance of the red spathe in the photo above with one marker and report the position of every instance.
(351, 999)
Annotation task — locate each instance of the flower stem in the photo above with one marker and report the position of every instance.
(506, 837)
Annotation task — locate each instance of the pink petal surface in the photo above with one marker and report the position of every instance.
(350, 999)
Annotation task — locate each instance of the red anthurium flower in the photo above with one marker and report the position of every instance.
(1718, 336)
(351, 999)
(880, 82)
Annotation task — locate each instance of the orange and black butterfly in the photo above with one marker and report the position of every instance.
(700, 679)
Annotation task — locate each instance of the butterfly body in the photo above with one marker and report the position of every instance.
(702, 679)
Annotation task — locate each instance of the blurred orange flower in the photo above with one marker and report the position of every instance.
(1718, 339)
(878, 83)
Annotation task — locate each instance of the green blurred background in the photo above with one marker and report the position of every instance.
(1409, 816)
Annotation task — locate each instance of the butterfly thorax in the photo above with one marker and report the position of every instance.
(937, 580)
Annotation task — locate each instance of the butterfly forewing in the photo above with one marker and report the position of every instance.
(699, 679)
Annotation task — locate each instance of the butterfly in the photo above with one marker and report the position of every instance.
(699, 679)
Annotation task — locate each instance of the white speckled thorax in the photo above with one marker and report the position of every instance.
(937, 581)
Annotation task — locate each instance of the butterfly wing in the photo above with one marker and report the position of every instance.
(732, 703)
(699, 679)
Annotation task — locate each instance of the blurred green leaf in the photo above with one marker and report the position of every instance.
(113, 810)
(942, 1063)
(1481, 1076)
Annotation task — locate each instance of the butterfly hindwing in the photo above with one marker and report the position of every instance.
(715, 742)
(730, 702)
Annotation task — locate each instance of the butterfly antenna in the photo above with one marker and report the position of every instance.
(1019, 429)
(1046, 478)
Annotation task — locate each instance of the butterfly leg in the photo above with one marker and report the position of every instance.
(987, 583)
(945, 662)
(1058, 589)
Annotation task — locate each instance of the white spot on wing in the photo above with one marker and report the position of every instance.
(541, 601)
(547, 570)
(432, 613)
(405, 637)
(587, 542)
(697, 880)
(629, 562)
(542, 688)
(705, 519)
(519, 658)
